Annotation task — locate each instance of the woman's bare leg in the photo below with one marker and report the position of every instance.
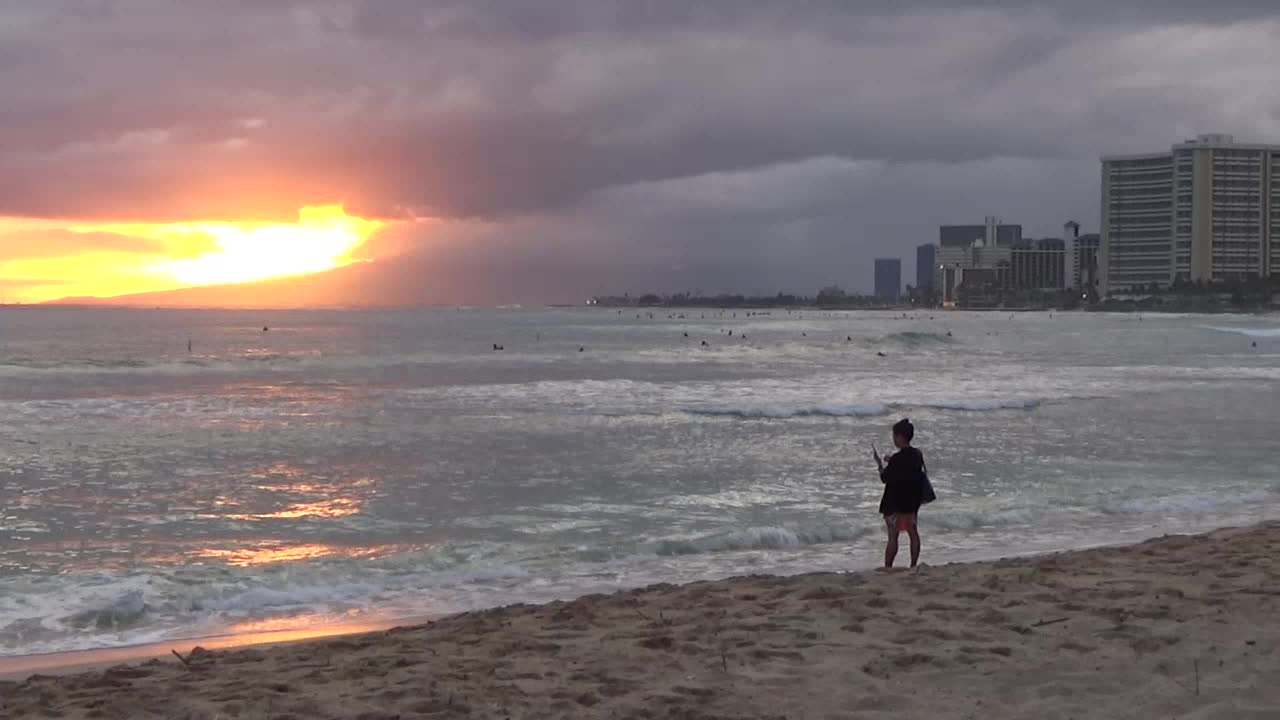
(891, 547)
(914, 533)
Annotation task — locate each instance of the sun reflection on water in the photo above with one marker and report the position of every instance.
(331, 508)
(298, 497)
(280, 552)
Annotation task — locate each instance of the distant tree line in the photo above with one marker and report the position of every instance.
(828, 297)
(1252, 292)
(990, 293)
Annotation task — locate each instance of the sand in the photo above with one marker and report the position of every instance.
(1181, 627)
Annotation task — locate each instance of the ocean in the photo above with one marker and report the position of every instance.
(379, 465)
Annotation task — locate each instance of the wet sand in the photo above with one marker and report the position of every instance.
(1181, 627)
(66, 663)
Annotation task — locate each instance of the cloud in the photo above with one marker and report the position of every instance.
(24, 283)
(56, 242)
(741, 141)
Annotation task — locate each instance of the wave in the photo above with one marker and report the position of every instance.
(84, 364)
(782, 412)
(1188, 503)
(759, 538)
(916, 338)
(865, 409)
(192, 601)
(964, 521)
(127, 609)
(271, 357)
(172, 366)
(328, 589)
(1247, 332)
(983, 405)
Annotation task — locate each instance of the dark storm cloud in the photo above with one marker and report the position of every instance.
(676, 136)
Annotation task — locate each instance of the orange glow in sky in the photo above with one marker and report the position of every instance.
(322, 239)
(171, 255)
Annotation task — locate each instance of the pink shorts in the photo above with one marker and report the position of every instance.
(900, 522)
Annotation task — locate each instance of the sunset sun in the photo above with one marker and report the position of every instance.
(43, 260)
(322, 239)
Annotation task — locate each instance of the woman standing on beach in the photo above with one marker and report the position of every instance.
(906, 488)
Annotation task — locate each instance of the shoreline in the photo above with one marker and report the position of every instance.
(1183, 623)
(67, 662)
(70, 662)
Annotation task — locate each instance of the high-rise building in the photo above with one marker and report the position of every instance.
(1084, 261)
(888, 279)
(993, 234)
(926, 260)
(1038, 265)
(973, 255)
(1209, 209)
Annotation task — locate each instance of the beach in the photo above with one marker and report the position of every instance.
(1176, 627)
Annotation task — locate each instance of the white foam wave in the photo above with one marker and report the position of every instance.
(973, 520)
(1247, 332)
(126, 609)
(164, 604)
(172, 366)
(759, 538)
(782, 412)
(865, 409)
(983, 405)
(913, 338)
(1182, 504)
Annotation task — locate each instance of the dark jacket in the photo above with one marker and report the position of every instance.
(904, 480)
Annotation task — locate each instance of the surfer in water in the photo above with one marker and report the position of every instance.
(906, 488)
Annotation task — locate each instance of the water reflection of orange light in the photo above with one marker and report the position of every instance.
(243, 557)
(337, 507)
(300, 621)
(331, 508)
(24, 665)
(315, 488)
(280, 552)
(286, 470)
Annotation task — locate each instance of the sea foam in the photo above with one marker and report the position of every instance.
(759, 538)
(784, 411)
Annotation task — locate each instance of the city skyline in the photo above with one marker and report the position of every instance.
(552, 152)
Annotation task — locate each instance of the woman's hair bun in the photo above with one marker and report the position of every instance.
(904, 428)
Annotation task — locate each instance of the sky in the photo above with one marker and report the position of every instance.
(549, 150)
